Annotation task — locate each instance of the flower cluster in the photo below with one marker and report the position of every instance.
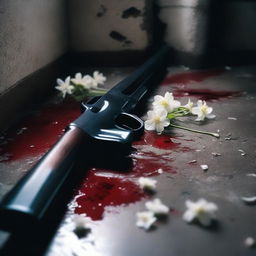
(166, 109)
(155, 209)
(81, 86)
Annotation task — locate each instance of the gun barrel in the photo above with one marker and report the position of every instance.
(31, 201)
(28, 203)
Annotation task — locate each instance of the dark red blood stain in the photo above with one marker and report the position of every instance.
(181, 85)
(161, 141)
(194, 76)
(41, 131)
(44, 128)
(148, 164)
(204, 94)
(104, 187)
(99, 192)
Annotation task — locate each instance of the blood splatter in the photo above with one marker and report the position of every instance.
(104, 187)
(161, 141)
(182, 84)
(192, 76)
(204, 94)
(38, 132)
(98, 192)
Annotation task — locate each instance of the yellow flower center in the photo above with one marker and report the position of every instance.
(204, 109)
(164, 103)
(200, 210)
(157, 119)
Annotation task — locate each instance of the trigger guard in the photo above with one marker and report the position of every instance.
(130, 122)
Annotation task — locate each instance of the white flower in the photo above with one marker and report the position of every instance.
(189, 105)
(157, 207)
(64, 87)
(145, 219)
(78, 79)
(202, 111)
(201, 210)
(167, 102)
(157, 120)
(89, 82)
(85, 81)
(99, 77)
(147, 183)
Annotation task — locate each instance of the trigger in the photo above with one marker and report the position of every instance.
(130, 122)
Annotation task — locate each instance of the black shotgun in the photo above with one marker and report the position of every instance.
(107, 120)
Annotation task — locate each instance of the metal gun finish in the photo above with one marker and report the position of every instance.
(108, 120)
(111, 116)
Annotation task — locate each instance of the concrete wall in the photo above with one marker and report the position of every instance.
(33, 33)
(106, 25)
(187, 22)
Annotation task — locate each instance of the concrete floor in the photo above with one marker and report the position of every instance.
(112, 198)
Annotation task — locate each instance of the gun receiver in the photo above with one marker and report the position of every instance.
(108, 119)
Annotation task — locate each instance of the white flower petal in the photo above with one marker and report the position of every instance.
(145, 219)
(167, 102)
(189, 105)
(147, 183)
(189, 204)
(195, 110)
(64, 87)
(157, 207)
(99, 77)
(199, 103)
(157, 120)
(202, 111)
(67, 80)
(211, 207)
(199, 118)
(78, 76)
(189, 216)
(159, 128)
(59, 81)
(157, 98)
(201, 210)
(209, 110)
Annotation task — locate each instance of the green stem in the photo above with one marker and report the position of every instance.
(197, 131)
(96, 92)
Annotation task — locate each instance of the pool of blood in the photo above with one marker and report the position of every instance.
(103, 187)
(97, 192)
(162, 141)
(192, 76)
(204, 94)
(39, 131)
(34, 135)
(181, 84)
